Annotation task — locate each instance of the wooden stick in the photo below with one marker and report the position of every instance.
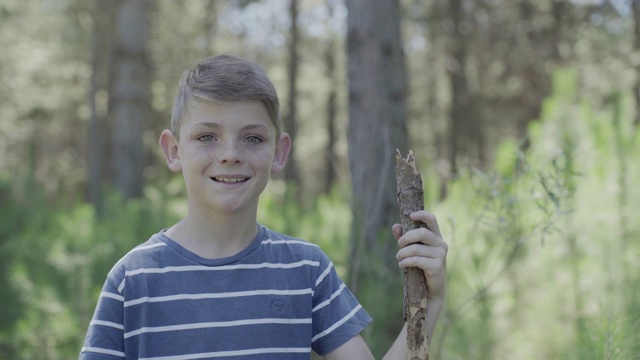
(410, 199)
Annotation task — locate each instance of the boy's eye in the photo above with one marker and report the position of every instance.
(254, 140)
(206, 138)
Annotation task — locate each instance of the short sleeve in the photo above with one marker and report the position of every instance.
(105, 337)
(337, 315)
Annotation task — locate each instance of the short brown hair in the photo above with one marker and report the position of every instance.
(225, 78)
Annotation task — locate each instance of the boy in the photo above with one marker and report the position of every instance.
(218, 285)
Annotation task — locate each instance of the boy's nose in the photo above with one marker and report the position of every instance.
(230, 153)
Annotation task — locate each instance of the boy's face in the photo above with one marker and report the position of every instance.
(226, 152)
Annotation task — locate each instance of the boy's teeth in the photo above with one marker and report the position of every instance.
(229, 180)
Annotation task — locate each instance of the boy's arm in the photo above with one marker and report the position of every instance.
(399, 349)
(357, 349)
(354, 349)
(423, 248)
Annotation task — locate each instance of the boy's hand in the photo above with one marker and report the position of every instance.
(424, 248)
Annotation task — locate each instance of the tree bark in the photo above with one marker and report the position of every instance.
(377, 125)
(464, 130)
(95, 135)
(331, 111)
(291, 171)
(635, 4)
(411, 198)
(209, 28)
(131, 95)
(330, 156)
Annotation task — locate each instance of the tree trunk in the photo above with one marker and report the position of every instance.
(131, 95)
(435, 111)
(291, 171)
(97, 135)
(331, 110)
(410, 199)
(636, 88)
(377, 125)
(209, 28)
(464, 131)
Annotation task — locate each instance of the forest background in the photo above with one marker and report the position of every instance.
(523, 116)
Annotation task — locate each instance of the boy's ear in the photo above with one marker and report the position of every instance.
(283, 147)
(169, 146)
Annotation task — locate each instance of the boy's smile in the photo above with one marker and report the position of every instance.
(226, 152)
(230, 180)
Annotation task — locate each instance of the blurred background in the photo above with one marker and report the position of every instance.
(523, 116)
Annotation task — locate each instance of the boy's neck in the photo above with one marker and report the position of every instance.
(214, 237)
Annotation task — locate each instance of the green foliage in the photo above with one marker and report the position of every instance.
(573, 293)
(57, 258)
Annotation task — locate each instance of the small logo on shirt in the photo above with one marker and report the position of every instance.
(279, 307)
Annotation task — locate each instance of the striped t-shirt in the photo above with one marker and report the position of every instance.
(277, 299)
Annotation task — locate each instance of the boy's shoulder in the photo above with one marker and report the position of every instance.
(141, 255)
(159, 251)
(273, 237)
(278, 243)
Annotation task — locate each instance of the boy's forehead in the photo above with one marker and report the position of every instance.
(213, 113)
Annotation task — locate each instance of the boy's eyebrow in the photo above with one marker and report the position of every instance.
(214, 125)
(208, 125)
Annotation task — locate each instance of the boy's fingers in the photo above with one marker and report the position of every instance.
(421, 235)
(431, 266)
(396, 229)
(421, 251)
(431, 259)
(428, 219)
